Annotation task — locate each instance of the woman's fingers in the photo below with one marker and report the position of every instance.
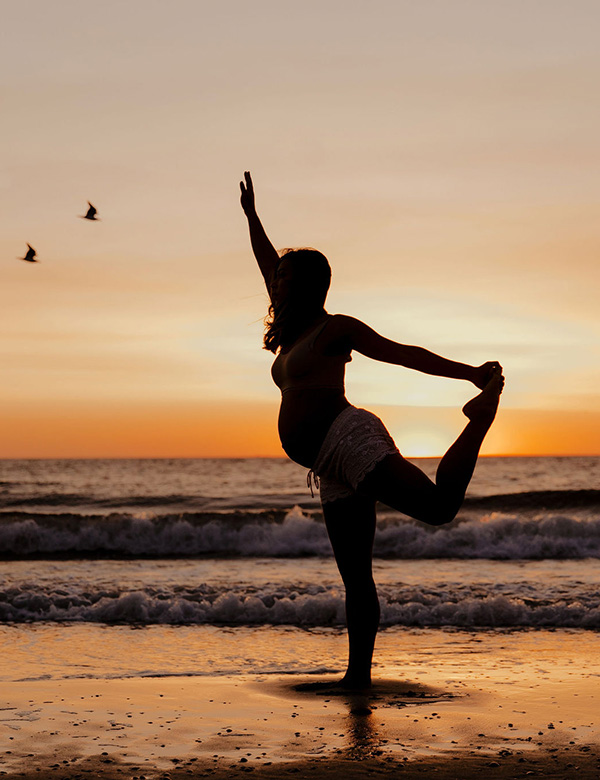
(246, 185)
(247, 193)
(492, 367)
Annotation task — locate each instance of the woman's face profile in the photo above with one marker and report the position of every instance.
(281, 286)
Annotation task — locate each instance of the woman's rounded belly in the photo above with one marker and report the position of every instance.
(305, 416)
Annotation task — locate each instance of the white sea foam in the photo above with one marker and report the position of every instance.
(442, 604)
(495, 536)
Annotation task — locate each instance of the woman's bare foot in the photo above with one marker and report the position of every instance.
(356, 684)
(343, 686)
(483, 407)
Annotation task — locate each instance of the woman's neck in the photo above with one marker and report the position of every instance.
(316, 316)
(304, 325)
(311, 320)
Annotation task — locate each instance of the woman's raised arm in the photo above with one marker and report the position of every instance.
(368, 342)
(264, 251)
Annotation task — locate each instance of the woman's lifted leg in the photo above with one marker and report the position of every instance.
(403, 486)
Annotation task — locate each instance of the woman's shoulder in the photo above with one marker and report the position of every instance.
(349, 333)
(338, 333)
(343, 323)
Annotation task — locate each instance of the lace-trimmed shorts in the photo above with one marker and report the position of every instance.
(355, 443)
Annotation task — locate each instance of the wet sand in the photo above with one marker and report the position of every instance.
(274, 726)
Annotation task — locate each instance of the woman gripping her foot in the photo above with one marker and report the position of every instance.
(349, 453)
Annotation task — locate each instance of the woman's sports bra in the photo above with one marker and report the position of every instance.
(304, 367)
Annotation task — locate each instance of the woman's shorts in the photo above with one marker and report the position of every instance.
(355, 443)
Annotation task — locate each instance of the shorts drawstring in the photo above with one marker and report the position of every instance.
(310, 478)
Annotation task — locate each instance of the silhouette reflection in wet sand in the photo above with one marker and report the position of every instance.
(90, 213)
(366, 735)
(348, 451)
(365, 739)
(30, 255)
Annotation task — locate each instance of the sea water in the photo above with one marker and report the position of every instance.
(231, 557)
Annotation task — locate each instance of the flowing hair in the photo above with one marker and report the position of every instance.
(311, 276)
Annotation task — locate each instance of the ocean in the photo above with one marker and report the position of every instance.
(229, 556)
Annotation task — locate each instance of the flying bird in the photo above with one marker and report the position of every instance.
(30, 255)
(90, 214)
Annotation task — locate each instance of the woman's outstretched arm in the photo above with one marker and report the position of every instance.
(264, 251)
(360, 337)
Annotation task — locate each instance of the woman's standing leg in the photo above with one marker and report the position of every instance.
(351, 527)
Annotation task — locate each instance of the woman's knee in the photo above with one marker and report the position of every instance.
(437, 519)
(438, 512)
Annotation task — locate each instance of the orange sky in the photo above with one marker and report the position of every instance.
(443, 155)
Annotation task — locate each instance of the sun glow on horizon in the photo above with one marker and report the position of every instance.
(421, 441)
(446, 163)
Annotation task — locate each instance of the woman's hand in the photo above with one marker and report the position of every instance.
(483, 374)
(247, 198)
(264, 251)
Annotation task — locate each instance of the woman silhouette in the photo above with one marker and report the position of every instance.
(349, 452)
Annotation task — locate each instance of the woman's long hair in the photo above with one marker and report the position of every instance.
(311, 276)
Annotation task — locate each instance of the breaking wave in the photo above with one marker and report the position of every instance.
(447, 604)
(294, 534)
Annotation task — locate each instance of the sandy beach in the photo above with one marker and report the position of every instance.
(206, 662)
(501, 704)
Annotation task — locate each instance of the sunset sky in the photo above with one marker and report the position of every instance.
(443, 154)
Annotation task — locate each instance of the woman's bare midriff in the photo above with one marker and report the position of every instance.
(305, 416)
